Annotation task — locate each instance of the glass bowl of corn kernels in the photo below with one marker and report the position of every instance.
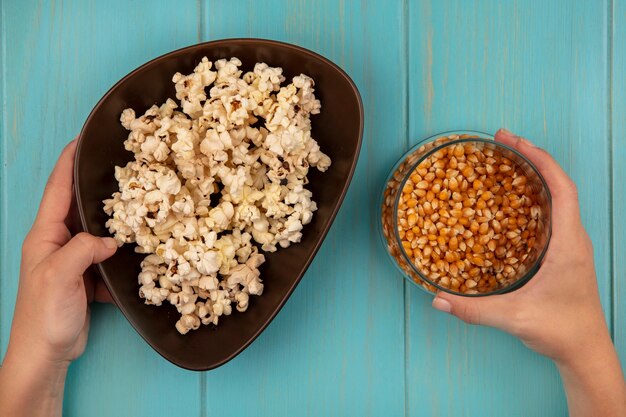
(465, 214)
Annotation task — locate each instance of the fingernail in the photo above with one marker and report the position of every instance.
(109, 242)
(442, 305)
(527, 142)
(508, 133)
(522, 140)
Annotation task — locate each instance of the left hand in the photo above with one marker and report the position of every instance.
(51, 317)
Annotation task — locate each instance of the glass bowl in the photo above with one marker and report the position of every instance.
(497, 271)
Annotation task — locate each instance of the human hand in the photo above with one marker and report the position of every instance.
(51, 320)
(51, 312)
(559, 308)
(558, 312)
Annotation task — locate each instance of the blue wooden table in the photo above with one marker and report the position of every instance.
(354, 339)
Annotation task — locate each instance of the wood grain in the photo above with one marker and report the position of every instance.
(61, 58)
(539, 69)
(618, 118)
(337, 348)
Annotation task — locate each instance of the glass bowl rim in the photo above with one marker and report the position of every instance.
(485, 140)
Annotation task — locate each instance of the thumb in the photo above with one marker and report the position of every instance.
(495, 310)
(80, 252)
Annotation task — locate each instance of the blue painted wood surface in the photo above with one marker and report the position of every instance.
(618, 142)
(354, 339)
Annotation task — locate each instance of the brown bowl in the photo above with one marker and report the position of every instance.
(338, 129)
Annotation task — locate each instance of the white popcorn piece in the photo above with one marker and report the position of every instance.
(246, 277)
(169, 183)
(190, 88)
(127, 117)
(212, 183)
(187, 322)
(209, 263)
(242, 300)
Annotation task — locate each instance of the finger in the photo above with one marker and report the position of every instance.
(102, 294)
(495, 311)
(79, 253)
(57, 196)
(562, 188)
(90, 284)
(558, 181)
(95, 289)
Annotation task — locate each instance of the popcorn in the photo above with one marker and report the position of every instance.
(212, 183)
(209, 263)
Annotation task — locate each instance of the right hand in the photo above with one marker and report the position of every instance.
(558, 312)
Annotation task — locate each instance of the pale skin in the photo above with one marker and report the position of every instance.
(557, 314)
(51, 320)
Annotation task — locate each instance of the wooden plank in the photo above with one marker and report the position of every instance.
(3, 180)
(618, 118)
(539, 69)
(61, 58)
(337, 347)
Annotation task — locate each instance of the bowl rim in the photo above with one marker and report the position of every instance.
(485, 139)
(181, 51)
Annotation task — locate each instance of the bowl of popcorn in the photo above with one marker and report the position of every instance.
(464, 214)
(219, 169)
